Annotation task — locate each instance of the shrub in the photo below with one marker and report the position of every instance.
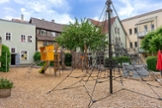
(5, 84)
(37, 56)
(123, 59)
(151, 63)
(3, 58)
(117, 60)
(68, 59)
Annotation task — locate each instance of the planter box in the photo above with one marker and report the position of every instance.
(5, 93)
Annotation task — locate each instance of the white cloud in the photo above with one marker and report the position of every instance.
(10, 17)
(25, 13)
(3, 1)
(20, 1)
(43, 9)
(95, 18)
(126, 10)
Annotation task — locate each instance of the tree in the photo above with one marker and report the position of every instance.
(3, 58)
(153, 41)
(80, 34)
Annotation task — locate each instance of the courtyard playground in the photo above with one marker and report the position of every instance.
(31, 92)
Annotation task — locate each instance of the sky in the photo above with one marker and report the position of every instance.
(65, 11)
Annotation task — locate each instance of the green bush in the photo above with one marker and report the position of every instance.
(3, 58)
(5, 84)
(117, 60)
(151, 63)
(68, 59)
(37, 56)
(123, 59)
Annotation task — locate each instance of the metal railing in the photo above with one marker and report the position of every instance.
(143, 34)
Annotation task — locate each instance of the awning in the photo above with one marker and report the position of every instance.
(146, 20)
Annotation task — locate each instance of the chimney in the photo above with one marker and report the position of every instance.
(22, 18)
(53, 21)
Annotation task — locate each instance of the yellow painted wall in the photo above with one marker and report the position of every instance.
(40, 44)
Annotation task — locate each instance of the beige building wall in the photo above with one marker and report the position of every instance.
(130, 23)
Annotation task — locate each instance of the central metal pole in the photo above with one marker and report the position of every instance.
(109, 10)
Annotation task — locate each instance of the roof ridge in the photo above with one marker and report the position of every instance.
(47, 21)
(140, 15)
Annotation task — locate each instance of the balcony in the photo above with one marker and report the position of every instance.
(143, 34)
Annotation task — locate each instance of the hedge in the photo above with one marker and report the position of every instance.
(151, 63)
(3, 59)
(117, 60)
(68, 59)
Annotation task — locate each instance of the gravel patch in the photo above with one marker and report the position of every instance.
(32, 92)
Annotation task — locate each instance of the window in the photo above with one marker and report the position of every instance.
(8, 36)
(53, 34)
(130, 31)
(145, 28)
(51, 43)
(45, 43)
(131, 45)
(43, 32)
(29, 38)
(135, 44)
(24, 55)
(135, 30)
(22, 38)
(13, 50)
(117, 31)
(152, 27)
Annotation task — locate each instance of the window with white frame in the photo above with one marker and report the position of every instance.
(43, 32)
(29, 38)
(24, 55)
(22, 38)
(53, 34)
(13, 50)
(8, 36)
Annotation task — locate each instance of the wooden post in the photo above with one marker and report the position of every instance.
(55, 59)
(86, 55)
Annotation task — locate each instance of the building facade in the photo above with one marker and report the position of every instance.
(46, 32)
(118, 36)
(137, 28)
(20, 38)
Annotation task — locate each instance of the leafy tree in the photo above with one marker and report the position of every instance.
(152, 41)
(80, 34)
(3, 58)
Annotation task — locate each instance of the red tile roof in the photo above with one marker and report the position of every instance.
(103, 23)
(17, 20)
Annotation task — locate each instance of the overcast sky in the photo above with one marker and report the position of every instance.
(63, 11)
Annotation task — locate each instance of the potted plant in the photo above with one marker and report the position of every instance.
(5, 87)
